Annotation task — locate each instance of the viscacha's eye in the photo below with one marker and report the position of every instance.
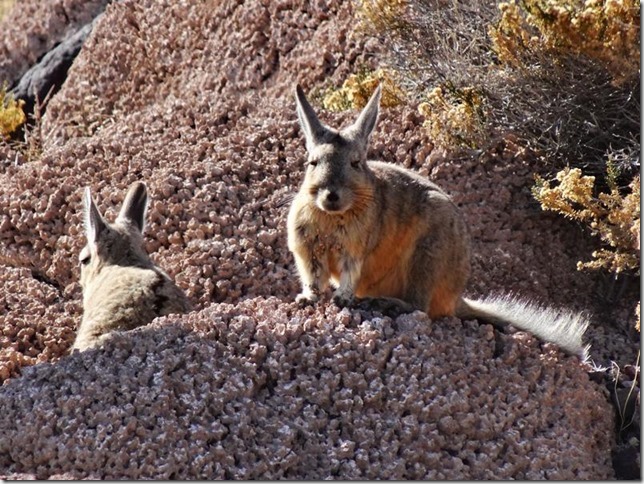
(313, 163)
(355, 164)
(84, 257)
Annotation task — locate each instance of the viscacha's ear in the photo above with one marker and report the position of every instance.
(94, 222)
(366, 122)
(135, 205)
(314, 130)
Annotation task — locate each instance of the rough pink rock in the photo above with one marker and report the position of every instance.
(31, 29)
(262, 389)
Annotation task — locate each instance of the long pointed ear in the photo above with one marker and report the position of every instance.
(94, 222)
(135, 205)
(365, 123)
(314, 130)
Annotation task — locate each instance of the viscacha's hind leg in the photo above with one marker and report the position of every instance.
(437, 277)
(389, 306)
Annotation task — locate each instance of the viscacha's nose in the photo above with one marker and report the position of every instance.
(332, 197)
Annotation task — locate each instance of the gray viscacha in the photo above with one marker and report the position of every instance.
(388, 238)
(122, 287)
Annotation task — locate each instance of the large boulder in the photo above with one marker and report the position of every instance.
(263, 390)
(31, 29)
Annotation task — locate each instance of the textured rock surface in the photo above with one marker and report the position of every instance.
(43, 79)
(31, 29)
(197, 101)
(262, 390)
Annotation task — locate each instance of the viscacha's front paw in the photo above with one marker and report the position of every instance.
(306, 299)
(342, 299)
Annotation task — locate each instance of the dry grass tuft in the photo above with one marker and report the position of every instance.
(561, 74)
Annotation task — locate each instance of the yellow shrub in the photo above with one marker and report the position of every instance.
(380, 15)
(604, 30)
(11, 114)
(5, 6)
(455, 117)
(358, 88)
(613, 216)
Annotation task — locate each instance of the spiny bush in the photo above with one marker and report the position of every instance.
(561, 74)
(11, 114)
(381, 15)
(606, 31)
(594, 46)
(613, 216)
(357, 89)
(455, 117)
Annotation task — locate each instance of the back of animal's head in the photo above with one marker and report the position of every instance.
(119, 243)
(337, 176)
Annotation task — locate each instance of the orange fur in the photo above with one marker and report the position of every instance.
(384, 272)
(443, 301)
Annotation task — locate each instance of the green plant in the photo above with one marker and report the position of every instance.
(626, 405)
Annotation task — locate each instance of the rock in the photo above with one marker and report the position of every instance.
(31, 29)
(264, 390)
(47, 76)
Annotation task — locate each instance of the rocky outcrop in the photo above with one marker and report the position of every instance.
(261, 389)
(45, 78)
(32, 29)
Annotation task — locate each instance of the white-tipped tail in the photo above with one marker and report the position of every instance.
(561, 326)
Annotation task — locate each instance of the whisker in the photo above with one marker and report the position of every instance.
(284, 200)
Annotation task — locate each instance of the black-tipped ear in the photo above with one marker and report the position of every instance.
(314, 130)
(135, 205)
(94, 222)
(366, 122)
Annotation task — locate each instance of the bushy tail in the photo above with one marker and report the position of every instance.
(560, 326)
